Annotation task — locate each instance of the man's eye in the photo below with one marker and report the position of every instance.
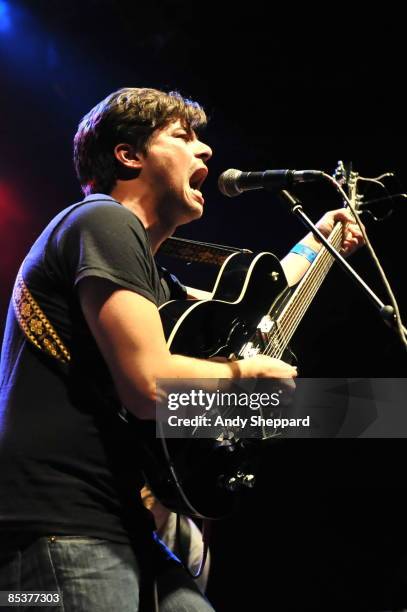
(183, 135)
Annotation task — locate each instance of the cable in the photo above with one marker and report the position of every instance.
(399, 324)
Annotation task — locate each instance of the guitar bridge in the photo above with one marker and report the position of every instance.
(249, 350)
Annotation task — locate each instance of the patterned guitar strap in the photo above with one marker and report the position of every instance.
(35, 325)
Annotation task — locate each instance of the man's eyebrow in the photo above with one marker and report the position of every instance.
(188, 130)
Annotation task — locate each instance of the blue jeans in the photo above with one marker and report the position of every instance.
(96, 575)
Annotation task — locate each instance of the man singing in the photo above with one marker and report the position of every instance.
(84, 336)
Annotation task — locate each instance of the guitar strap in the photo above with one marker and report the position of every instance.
(201, 252)
(35, 325)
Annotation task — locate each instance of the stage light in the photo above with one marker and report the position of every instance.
(5, 20)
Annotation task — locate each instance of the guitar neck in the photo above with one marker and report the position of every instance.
(287, 321)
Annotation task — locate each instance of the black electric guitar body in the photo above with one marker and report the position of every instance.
(247, 287)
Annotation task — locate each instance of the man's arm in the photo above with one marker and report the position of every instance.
(198, 294)
(128, 330)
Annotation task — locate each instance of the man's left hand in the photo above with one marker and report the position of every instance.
(352, 236)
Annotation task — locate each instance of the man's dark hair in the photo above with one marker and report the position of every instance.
(129, 115)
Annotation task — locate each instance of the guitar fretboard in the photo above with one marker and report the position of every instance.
(275, 332)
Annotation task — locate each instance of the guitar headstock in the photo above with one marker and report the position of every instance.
(348, 180)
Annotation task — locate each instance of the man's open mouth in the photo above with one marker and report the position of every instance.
(196, 180)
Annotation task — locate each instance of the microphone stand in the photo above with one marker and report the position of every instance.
(386, 311)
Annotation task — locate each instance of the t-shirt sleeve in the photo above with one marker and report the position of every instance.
(108, 241)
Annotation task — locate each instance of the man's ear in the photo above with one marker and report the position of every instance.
(128, 157)
(129, 162)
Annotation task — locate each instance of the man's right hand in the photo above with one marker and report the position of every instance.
(262, 366)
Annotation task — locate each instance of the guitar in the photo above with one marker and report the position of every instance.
(252, 311)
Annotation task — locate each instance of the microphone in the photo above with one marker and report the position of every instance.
(234, 182)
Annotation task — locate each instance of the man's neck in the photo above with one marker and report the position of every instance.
(145, 210)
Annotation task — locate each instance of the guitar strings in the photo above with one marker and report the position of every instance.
(288, 325)
(284, 332)
(326, 262)
(301, 294)
(277, 345)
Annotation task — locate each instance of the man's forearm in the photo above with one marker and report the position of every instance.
(141, 400)
(294, 265)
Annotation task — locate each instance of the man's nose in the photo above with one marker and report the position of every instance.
(204, 151)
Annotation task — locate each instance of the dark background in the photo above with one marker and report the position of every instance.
(284, 88)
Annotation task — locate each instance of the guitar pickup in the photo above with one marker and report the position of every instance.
(249, 350)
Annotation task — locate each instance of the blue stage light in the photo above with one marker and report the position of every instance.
(5, 21)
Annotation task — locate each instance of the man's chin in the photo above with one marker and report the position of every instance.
(191, 215)
(193, 211)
